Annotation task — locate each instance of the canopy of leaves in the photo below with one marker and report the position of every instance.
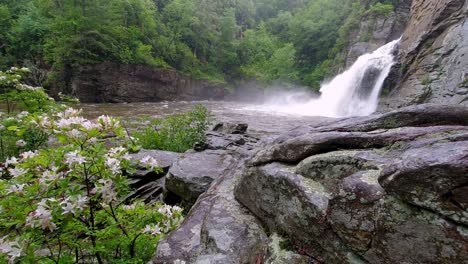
(290, 40)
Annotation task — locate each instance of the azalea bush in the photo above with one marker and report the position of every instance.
(19, 133)
(178, 132)
(66, 204)
(14, 93)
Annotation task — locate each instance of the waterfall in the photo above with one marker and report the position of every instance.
(354, 92)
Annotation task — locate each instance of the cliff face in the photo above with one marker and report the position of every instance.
(433, 60)
(374, 32)
(115, 83)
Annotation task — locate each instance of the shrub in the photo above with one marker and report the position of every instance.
(381, 10)
(64, 204)
(176, 133)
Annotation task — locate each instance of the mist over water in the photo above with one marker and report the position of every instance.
(354, 92)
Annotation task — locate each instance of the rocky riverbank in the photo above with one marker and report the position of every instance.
(389, 188)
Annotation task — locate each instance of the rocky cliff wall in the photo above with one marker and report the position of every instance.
(376, 31)
(115, 83)
(433, 60)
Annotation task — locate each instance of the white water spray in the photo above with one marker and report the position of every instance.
(355, 92)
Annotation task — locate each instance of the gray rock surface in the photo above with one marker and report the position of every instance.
(382, 189)
(374, 32)
(433, 56)
(194, 173)
(217, 229)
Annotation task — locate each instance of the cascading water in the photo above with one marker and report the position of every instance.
(355, 92)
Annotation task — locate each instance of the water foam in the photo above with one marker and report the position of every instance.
(354, 92)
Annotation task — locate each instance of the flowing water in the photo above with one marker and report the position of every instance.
(260, 122)
(355, 92)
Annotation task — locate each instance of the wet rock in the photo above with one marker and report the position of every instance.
(365, 190)
(165, 159)
(194, 173)
(230, 128)
(432, 57)
(148, 185)
(432, 177)
(216, 141)
(291, 204)
(278, 254)
(298, 148)
(216, 230)
(424, 115)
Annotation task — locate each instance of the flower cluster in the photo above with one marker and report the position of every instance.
(77, 189)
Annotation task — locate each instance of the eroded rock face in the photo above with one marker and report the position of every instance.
(117, 83)
(217, 229)
(433, 56)
(193, 174)
(374, 32)
(382, 189)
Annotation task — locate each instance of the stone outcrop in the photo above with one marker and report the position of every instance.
(193, 174)
(433, 56)
(115, 83)
(387, 188)
(217, 229)
(375, 31)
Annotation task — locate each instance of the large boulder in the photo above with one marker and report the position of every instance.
(217, 229)
(194, 173)
(388, 188)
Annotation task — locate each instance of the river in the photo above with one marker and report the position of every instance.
(260, 121)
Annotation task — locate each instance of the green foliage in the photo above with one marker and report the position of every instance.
(222, 40)
(176, 133)
(63, 204)
(426, 80)
(381, 9)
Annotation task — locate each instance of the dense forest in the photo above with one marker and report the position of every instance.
(298, 41)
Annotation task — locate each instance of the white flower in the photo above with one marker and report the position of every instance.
(11, 161)
(13, 68)
(70, 112)
(127, 156)
(75, 134)
(152, 229)
(107, 123)
(106, 190)
(166, 210)
(12, 249)
(72, 205)
(25, 69)
(28, 155)
(68, 208)
(21, 143)
(113, 164)
(17, 172)
(42, 216)
(50, 176)
(22, 114)
(2, 78)
(16, 188)
(88, 125)
(129, 207)
(2, 127)
(176, 208)
(149, 162)
(81, 202)
(74, 158)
